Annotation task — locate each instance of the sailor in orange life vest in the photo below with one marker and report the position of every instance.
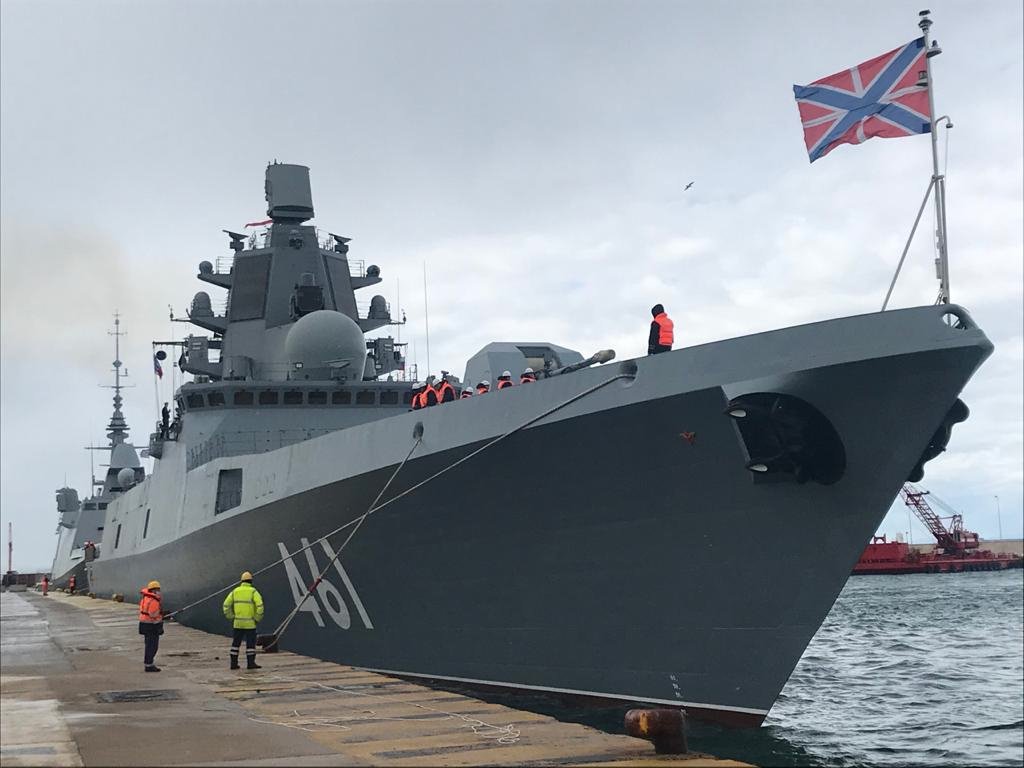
(483, 387)
(151, 623)
(505, 380)
(445, 391)
(528, 376)
(427, 395)
(660, 339)
(466, 393)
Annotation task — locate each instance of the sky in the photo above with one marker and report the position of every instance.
(532, 155)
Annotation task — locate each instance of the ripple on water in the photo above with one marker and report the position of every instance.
(906, 670)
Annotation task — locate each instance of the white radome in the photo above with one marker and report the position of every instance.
(126, 477)
(326, 339)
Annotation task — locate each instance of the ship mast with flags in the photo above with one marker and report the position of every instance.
(889, 96)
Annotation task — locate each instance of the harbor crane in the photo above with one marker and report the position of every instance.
(951, 540)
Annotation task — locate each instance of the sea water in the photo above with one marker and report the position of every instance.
(923, 669)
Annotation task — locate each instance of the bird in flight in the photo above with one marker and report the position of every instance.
(687, 186)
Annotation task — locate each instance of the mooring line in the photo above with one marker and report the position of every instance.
(502, 734)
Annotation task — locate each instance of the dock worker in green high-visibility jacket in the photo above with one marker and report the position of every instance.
(244, 607)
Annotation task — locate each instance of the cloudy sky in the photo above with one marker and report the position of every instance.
(532, 154)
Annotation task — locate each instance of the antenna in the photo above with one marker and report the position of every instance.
(426, 321)
(117, 429)
(174, 363)
(10, 547)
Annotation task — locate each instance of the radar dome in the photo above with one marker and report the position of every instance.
(201, 306)
(126, 477)
(326, 339)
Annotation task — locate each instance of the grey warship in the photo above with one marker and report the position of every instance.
(80, 523)
(667, 530)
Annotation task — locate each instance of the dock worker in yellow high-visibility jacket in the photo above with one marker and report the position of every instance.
(244, 607)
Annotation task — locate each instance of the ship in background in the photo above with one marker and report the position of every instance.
(80, 523)
(956, 549)
(620, 531)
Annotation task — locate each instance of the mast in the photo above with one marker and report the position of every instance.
(931, 50)
(117, 430)
(426, 321)
(10, 548)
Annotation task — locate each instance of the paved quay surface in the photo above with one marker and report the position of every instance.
(72, 692)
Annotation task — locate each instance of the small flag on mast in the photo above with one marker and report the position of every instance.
(157, 368)
(885, 97)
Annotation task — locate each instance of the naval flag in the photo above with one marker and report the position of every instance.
(157, 368)
(885, 97)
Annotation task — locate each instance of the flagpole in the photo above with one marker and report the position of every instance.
(933, 49)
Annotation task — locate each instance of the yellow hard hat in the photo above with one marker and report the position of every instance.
(246, 576)
(153, 585)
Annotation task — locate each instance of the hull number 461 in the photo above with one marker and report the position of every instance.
(326, 594)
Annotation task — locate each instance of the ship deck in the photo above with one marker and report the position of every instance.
(74, 693)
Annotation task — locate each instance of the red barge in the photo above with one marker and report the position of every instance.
(956, 549)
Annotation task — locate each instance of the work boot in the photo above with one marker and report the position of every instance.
(251, 664)
(234, 662)
(152, 668)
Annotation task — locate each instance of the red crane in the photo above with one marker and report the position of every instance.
(953, 540)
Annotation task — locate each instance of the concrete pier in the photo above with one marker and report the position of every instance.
(73, 692)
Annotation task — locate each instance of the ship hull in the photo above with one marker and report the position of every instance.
(622, 553)
(69, 561)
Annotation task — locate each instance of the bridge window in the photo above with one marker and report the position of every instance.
(317, 398)
(194, 401)
(293, 397)
(243, 398)
(268, 397)
(389, 397)
(366, 397)
(341, 397)
(407, 397)
(229, 490)
(215, 399)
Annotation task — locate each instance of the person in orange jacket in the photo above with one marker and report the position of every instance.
(426, 397)
(151, 623)
(445, 391)
(661, 336)
(505, 380)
